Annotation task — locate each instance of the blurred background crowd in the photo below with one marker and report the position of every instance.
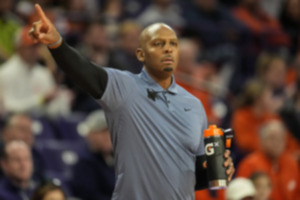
(240, 58)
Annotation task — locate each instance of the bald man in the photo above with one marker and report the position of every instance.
(156, 126)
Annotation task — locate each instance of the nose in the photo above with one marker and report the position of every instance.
(168, 48)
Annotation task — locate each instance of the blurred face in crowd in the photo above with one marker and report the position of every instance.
(19, 128)
(129, 38)
(100, 141)
(276, 73)
(263, 187)
(77, 5)
(30, 53)
(188, 56)
(264, 100)
(159, 51)
(54, 195)
(273, 139)
(17, 164)
(97, 38)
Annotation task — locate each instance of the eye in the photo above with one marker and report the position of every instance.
(174, 43)
(158, 43)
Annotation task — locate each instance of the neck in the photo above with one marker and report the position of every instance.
(165, 84)
(273, 160)
(163, 81)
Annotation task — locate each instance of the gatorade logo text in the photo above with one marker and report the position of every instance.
(209, 149)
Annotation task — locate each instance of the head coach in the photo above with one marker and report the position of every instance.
(156, 126)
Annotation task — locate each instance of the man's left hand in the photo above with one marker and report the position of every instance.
(229, 165)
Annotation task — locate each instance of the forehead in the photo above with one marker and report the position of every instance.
(17, 149)
(161, 33)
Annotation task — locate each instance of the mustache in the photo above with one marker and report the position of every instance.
(168, 56)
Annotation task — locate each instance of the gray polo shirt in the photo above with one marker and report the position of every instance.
(156, 135)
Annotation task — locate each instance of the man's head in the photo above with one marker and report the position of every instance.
(272, 138)
(16, 162)
(158, 50)
(129, 32)
(18, 127)
(26, 48)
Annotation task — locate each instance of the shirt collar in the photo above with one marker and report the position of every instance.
(155, 86)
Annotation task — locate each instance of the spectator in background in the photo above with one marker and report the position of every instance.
(9, 26)
(240, 189)
(49, 191)
(97, 181)
(123, 57)
(19, 127)
(264, 28)
(96, 43)
(166, 11)
(253, 108)
(290, 21)
(25, 85)
(262, 184)
(17, 165)
(272, 70)
(272, 160)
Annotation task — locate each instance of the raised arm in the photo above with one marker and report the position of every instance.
(87, 75)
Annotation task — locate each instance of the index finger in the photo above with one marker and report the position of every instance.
(227, 153)
(41, 13)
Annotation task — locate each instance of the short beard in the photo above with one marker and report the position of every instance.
(168, 69)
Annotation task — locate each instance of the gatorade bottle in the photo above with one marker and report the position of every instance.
(216, 140)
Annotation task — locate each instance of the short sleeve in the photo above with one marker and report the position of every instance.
(117, 90)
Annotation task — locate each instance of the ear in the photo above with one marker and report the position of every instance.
(140, 55)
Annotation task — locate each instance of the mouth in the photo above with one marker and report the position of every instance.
(167, 60)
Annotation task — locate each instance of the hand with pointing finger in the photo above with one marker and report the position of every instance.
(43, 31)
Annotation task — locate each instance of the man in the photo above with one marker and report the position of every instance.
(272, 160)
(24, 84)
(156, 126)
(96, 161)
(17, 165)
(19, 127)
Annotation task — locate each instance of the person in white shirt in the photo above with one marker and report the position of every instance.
(25, 85)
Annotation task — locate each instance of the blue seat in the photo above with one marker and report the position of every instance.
(43, 128)
(67, 126)
(59, 157)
